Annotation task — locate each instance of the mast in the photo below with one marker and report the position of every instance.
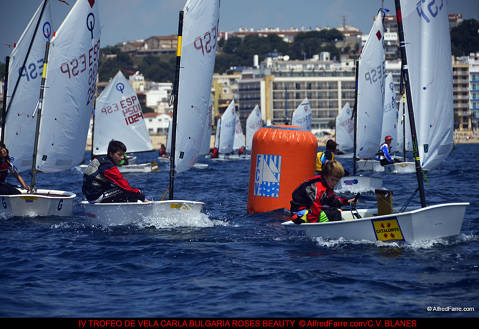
(175, 107)
(5, 89)
(405, 73)
(403, 114)
(93, 130)
(355, 117)
(39, 115)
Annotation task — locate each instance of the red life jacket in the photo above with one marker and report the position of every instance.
(313, 194)
(4, 170)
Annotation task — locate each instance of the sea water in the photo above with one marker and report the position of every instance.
(228, 263)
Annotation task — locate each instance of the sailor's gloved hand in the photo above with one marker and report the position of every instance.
(300, 217)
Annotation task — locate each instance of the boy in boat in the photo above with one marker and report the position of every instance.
(162, 151)
(315, 201)
(384, 153)
(103, 182)
(6, 167)
(323, 157)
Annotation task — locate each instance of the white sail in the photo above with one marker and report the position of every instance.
(20, 124)
(239, 139)
(227, 129)
(428, 53)
(118, 116)
(345, 128)
(217, 134)
(253, 124)
(205, 144)
(390, 114)
(371, 91)
(70, 89)
(302, 116)
(198, 51)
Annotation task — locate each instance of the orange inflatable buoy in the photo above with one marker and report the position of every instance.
(282, 158)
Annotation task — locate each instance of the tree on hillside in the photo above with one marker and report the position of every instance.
(307, 44)
(154, 68)
(465, 38)
(109, 67)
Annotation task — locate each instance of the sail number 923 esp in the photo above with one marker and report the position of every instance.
(207, 42)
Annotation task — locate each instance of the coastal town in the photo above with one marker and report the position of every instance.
(278, 83)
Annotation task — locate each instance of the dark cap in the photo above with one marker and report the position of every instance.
(331, 145)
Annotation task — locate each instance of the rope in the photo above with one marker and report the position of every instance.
(164, 194)
(409, 200)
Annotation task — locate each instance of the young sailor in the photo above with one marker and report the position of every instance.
(6, 167)
(384, 153)
(322, 157)
(103, 182)
(315, 201)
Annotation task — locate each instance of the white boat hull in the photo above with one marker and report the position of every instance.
(42, 203)
(429, 223)
(358, 184)
(200, 165)
(369, 165)
(133, 212)
(132, 168)
(344, 156)
(400, 168)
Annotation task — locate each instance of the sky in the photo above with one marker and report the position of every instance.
(130, 20)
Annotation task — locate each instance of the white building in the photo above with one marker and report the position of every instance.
(158, 96)
(156, 123)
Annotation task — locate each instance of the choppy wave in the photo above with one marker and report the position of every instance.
(227, 263)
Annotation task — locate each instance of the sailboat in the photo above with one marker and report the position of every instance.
(253, 124)
(58, 132)
(239, 140)
(194, 73)
(225, 132)
(345, 132)
(426, 59)
(368, 114)
(302, 115)
(118, 116)
(403, 140)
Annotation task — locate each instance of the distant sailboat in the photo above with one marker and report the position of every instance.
(253, 124)
(69, 77)
(426, 54)
(389, 126)
(302, 116)
(118, 116)
(368, 114)
(393, 125)
(345, 132)
(239, 139)
(226, 127)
